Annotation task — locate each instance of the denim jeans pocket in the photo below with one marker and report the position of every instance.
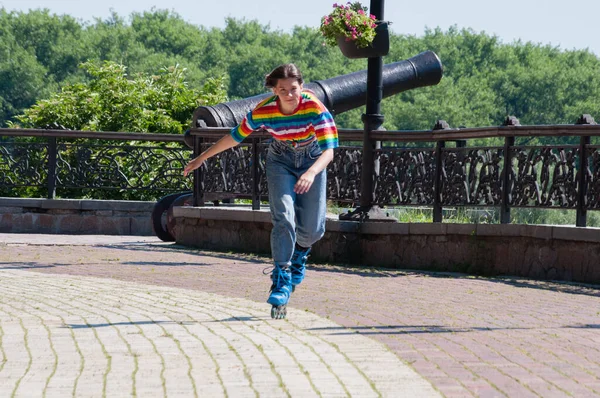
(315, 151)
(275, 149)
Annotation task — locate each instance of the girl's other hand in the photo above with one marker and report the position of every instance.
(304, 182)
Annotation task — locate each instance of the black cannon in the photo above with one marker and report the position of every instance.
(339, 94)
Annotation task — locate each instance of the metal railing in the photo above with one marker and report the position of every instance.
(84, 164)
(437, 168)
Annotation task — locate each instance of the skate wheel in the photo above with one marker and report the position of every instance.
(278, 312)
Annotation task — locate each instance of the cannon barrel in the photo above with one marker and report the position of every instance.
(338, 94)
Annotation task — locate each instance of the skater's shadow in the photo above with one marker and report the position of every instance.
(239, 319)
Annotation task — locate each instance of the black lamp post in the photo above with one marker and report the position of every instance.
(372, 120)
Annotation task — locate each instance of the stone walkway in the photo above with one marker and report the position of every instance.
(133, 316)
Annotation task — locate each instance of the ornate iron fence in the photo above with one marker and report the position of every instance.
(98, 165)
(435, 168)
(444, 171)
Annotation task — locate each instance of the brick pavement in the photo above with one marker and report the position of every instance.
(80, 335)
(466, 336)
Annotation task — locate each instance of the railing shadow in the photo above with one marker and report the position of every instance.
(427, 329)
(132, 323)
(349, 269)
(551, 285)
(374, 272)
(29, 265)
(177, 248)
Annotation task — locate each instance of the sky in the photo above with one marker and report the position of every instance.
(567, 24)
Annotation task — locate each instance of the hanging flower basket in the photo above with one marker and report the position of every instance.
(379, 47)
(357, 33)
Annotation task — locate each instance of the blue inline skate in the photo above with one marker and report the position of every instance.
(298, 267)
(280, 291)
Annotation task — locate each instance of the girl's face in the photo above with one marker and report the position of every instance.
(288, 91)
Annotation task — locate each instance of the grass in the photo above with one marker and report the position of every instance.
(482, 215)
(472, 215)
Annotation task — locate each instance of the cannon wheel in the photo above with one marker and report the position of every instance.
(159, 216)
(186, 199)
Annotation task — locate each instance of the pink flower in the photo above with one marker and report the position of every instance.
(361, 12)
(372, 16)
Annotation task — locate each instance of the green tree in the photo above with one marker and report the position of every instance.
(55, 41)
(21, 78)
(484, 80)
(170, 40)
(112, 101)
(114, 40)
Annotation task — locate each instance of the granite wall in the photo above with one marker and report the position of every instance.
(69, 216)
(533, 251)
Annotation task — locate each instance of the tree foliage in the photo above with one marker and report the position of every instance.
(484, 81)
(111, 101)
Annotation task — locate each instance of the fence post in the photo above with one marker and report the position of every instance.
(437, 184)
(505, 199)
(254, 172)
(584, 141)
(52, 156)
(198, 175)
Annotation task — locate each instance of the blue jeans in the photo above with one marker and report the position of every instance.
(296, 218)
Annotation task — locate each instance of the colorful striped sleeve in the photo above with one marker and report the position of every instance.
(245, 128)
(325, 128)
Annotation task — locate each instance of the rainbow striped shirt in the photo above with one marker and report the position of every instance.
(310, 119)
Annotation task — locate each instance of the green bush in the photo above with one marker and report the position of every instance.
(112, 101)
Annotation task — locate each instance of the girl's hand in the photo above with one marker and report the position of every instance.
(192, 165)
(304, 182)
(223, 144)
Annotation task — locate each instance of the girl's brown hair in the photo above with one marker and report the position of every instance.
(285, 71)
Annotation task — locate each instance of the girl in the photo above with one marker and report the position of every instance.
(305, 136)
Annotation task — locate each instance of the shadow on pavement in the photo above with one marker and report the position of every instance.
(420, 329)
(29, 265)
(175, 248)
(163, 263)
(239, 319)
(557, 286)
(351, 269)
(102, 325)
